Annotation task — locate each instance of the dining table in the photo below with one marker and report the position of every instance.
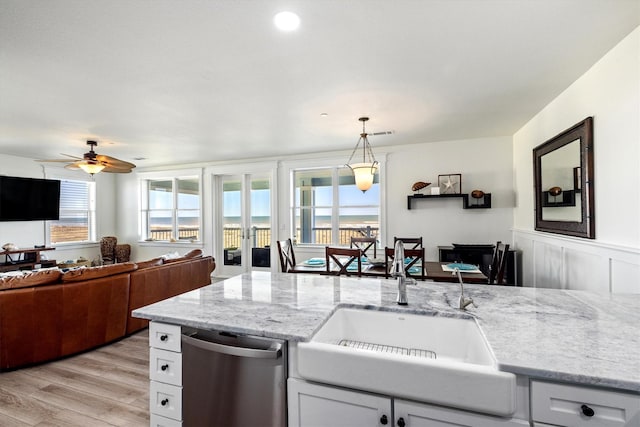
(434, 270)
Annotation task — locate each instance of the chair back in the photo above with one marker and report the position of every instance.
(416, 260)
(338, 261)
(287, 256)
(366, 244)
(409, 242)
(108, 249)
(498, 264)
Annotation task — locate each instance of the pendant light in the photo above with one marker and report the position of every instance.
(363, 172)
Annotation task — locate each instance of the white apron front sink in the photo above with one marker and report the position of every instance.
(435, 359)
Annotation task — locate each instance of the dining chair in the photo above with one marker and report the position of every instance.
(338, 261)
(498, 264)
(366, 245)
(287, 256)
(416, 260)
(414, 242)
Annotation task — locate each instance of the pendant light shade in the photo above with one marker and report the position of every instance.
(364, 171)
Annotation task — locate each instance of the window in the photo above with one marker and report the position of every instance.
(328, 208)
(77, 213)
(172, 210)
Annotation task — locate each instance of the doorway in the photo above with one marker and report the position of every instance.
(244, 231)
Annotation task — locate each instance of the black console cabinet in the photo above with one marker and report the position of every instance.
(479, 255)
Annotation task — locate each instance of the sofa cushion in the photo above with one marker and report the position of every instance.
(149, 263)
(96, 272)
(33, 278)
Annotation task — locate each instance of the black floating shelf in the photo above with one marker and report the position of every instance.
(482, 203)
(566, 198)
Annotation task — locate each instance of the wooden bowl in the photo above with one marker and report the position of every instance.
(477, 194)
(555, 191)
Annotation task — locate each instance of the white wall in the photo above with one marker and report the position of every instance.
(26, 234)
(484, 163)
(610, 92)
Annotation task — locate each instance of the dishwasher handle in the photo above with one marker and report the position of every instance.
(254, 353)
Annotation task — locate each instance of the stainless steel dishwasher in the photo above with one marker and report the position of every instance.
(232, 380)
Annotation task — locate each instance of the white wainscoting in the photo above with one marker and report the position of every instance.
(554, 261)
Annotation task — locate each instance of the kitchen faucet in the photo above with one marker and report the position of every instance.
(463, 301)
(398, 270)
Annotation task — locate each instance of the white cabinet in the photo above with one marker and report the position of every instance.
(318, 405)
(165, 374)
(569, 405)
(313, 404)
(411, 414)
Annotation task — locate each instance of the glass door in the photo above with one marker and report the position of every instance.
(245, 210)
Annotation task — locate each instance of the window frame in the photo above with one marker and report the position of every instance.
(91, 212)
(143, 212)
(334, 164)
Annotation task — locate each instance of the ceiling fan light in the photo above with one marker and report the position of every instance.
(363, 174)
(91, 168)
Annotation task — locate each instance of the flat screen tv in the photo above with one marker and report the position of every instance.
(29, 199)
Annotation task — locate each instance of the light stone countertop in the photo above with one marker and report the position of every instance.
(574, 336)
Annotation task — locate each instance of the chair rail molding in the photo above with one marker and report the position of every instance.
(564, 262)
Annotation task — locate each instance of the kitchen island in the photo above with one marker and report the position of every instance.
(577, 337)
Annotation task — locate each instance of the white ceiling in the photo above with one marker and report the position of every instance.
(193, 81)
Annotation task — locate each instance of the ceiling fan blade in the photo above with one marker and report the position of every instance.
(73, 166)
(73, 157)
(54, 160)
(110, 169)
(113, 162)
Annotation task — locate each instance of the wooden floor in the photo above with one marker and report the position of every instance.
(104, 387)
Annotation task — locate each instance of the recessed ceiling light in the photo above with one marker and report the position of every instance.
(286, 21)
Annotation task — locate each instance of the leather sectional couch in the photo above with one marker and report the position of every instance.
(48, 314)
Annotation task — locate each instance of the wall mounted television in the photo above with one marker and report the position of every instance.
(29, 199)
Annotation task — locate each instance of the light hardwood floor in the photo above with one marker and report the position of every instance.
(108, 386)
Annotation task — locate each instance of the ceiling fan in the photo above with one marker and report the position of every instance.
(93, 162)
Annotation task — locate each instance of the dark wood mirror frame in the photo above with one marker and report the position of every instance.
(582, 131)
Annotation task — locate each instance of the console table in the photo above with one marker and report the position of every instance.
(30, 258)
(479, 255)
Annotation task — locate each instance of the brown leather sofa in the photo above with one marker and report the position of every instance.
(47, 314)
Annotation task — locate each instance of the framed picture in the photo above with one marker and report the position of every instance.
(577, 179)
(450, 184)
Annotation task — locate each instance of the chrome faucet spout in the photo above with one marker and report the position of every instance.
(397, 270)
(463, 301)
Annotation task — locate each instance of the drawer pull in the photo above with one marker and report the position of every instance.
(164, 337)
(164, 402)
(164, 367)
(586, 411)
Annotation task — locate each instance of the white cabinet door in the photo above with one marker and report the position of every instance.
(317, 405)
(410, 414)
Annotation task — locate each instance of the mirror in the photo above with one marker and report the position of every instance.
(563, 177)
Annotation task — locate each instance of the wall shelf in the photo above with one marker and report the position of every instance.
(483, 203)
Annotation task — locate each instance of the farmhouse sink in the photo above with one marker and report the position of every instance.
(435, 359)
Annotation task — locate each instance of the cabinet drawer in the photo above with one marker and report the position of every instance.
(165, 400)
(164, 336)
(160, 421)
(165, 366)
(569, 405)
